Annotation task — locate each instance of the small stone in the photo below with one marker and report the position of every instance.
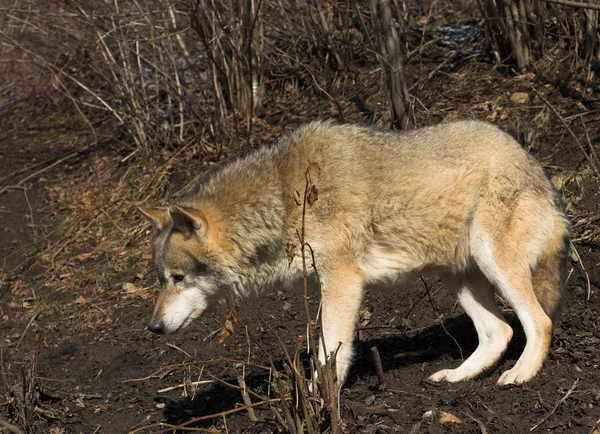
(370, 400)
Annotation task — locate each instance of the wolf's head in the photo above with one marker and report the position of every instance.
(188, 252)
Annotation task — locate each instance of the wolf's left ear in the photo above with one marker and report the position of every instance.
(188, 220)
(158, 217)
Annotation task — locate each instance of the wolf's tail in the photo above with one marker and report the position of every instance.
(550, 275)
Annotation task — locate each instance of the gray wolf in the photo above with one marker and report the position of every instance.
(462, 201)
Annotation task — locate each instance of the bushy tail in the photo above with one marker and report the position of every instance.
(550, 275)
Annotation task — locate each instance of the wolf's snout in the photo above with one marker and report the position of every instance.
(156, 326)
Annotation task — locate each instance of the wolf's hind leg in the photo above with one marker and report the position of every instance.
(341, 298)
(503, 264)
(476, 296)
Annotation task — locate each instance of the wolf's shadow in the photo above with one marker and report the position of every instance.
(455, 339)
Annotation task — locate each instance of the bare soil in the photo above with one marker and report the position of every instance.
(96, 369)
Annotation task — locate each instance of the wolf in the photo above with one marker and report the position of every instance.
(462, 201)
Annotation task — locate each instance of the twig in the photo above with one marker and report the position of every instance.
(175, 347)
(45, 169)
(482, 427)
(9, 426)
(592, 149)
(212, 416)
(79, 232)
(587, 276)
(581, 5)
(594, 427)
(562, 120)
(35, 315)
(181, 386)
(441, 318)
(558, 403)
(378, 368)
(246, 398)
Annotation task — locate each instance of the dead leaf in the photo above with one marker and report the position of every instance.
(84, 256)
(286, 306)
(80, 300)
(18, 289)
(226, 331)
(313, 195)
(297, 197)
(290, 249)
(446, 417)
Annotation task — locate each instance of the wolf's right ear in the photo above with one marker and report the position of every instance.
(158, 217)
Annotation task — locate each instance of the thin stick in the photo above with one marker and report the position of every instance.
(558, 403)
(246, 398)
(378, 368)
(175, 347)
(587, 276)
(35, 315)
(562, 120)
(45, 169)
(181, 386)
(592, 149)
(581, 5)
(212, 416)
(441, 318)
(482, 427)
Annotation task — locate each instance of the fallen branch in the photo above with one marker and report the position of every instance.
(9, 426)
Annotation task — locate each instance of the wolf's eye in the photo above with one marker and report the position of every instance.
(178, 278)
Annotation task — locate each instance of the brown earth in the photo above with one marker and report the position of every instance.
(77, 290)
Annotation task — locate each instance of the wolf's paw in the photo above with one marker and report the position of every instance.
(449, 375)
(515, 376)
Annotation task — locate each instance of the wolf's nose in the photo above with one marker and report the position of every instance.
(156, 326)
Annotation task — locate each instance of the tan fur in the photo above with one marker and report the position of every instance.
(462, 201)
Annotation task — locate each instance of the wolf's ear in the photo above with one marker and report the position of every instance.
(188, 220)
(158, 217)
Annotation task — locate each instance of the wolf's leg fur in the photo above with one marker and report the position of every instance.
(509, 272)
(476, 296)
(341, 298)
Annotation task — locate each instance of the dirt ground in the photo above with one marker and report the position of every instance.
(76, 355)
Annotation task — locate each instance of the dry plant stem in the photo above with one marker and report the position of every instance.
(378, 368)
(589, 141)
(572, 4)
(50, 166)
(587, 276)
(175, 347)
(33, 317)
(595, 164)
(9, 426)
(441, 318)
(181, 386)
(558, 403)
(212, 416)
(326, 372)
(246, 398)
(482, 427)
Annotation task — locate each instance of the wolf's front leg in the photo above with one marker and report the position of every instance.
(341, 297)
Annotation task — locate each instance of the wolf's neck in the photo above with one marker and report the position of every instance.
(248, 195)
